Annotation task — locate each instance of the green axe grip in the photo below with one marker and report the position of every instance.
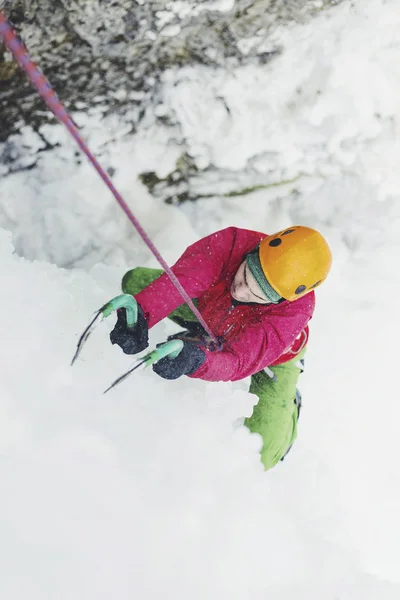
(170, 349)
(123, 301)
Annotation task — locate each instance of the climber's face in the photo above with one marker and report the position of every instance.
(244, 287)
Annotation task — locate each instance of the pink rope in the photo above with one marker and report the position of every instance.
(43, 87)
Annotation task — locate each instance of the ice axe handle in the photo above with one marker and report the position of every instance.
(170, 349)
(123, 301)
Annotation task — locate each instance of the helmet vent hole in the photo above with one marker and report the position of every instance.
(315, 284)
(287, 231)
(300, 289)
(275, 242)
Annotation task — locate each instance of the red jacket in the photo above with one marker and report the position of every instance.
(255, 336)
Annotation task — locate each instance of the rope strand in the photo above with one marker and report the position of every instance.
(18, 50)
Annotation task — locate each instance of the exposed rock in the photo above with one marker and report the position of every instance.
(109, 62)
(112, 52)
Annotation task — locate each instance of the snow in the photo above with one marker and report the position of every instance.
(313, 112)
(155, 489)
(185, 8)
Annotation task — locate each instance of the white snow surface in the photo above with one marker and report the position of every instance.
(155, 490)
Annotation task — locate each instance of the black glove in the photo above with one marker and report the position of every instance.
(189, 359)
(131, 339)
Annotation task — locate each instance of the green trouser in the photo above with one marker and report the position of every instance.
(275, 415)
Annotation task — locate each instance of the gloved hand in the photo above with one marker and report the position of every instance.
(131, 339)
(189, 359)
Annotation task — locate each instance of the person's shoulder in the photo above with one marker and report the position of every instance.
(307, 301)
(235, 242)
(241, 233)
(243, 230)
(304, 304)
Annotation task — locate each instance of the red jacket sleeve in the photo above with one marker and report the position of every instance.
(257, 347)
(197, 269)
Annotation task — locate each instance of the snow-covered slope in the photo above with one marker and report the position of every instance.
(155, 489)
(317, 127)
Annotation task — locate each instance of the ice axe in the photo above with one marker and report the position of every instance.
(171, 348)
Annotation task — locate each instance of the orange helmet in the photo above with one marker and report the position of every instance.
(294, 261)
